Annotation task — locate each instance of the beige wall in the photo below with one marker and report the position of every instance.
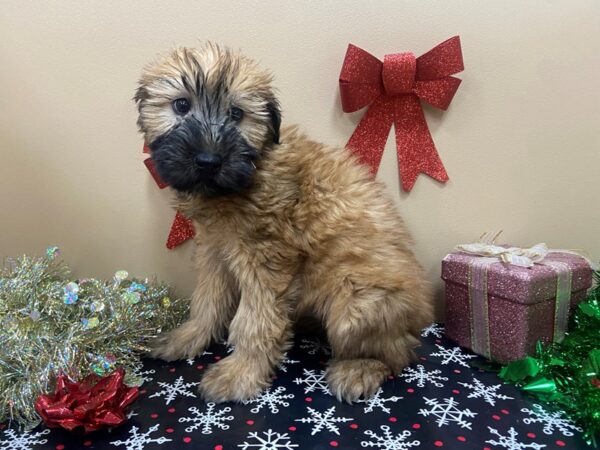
(520, 140)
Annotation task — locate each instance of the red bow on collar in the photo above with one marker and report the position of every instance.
(393, 88)
(182, 228)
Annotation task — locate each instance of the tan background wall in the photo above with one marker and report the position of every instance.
(520, 140)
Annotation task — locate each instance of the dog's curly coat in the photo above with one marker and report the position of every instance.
(286, 227)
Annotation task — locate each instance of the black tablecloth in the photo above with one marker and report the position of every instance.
(441, 401)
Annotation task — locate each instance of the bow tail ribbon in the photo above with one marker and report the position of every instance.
(414, 144)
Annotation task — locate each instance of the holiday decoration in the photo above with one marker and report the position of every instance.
(501, 300)
(91, 404)
(182, 228)
(455, 407)
(566, 375)
(57, 330)
(392, 90)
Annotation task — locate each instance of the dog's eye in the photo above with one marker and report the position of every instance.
(181, 106)
(236, 114)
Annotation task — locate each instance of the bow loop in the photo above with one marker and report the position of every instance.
(441, 61)
(360, 79)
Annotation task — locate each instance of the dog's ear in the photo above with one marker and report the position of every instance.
(275, 115)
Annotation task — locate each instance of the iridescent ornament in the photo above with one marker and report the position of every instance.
(71, 293)
(52, 252)
(120, 275)
(90, 323)
(131, 297)
(136, 287)
(166, 302)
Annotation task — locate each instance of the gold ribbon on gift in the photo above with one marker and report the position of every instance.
(488, 254)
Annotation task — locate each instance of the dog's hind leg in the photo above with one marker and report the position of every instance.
(212, 306)
(370, 339)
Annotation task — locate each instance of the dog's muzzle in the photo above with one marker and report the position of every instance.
(208, 163)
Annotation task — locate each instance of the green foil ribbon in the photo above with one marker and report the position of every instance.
(566, 375)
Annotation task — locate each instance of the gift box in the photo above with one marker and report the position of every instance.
(500, 310)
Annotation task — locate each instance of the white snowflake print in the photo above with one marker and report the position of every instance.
(138, 441)
(388, 441)
(271, 399)
(454, 355)
(487, 393)
(510, 442)
(447, 412)
(285, 361)
(323, 420)
(270, 441)
(171, 391)
(190, 361)
(314, 346)
(377, 401)
(551, 420)
(143, 375)
(207, 419)
(22, 441)
(434, 330)
(422, 376)
(313, 381)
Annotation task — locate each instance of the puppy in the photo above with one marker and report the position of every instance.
(286, 227)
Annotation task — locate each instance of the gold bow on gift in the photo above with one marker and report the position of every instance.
(522, 257)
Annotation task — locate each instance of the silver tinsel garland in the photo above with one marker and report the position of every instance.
(50, 324)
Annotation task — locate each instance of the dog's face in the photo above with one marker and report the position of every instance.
(207, 115)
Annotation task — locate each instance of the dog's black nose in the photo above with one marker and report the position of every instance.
(209, 162)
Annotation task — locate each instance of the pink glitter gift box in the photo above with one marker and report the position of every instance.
(501, 310)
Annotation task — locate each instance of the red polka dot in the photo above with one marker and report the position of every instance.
(456, 371)
(250, 422)
(218, 447)
(531, 435)
(154, 415)
(274, 377)
(200, 367)
(422, 358)
(308, 399)
(461, 438)
(292, 428)
(334, 443)
(169, 430)
(416, 426)
(172, 369)
(560, 443)
(390, 377)
(438, 341)
(187, 439)
(171, 410)
(143, 391)
(60, 447)
(87, 443)
(393, 419)
(504, 411)
(438, 443)
(410, 390)
(217, 357)
(354, 426)
(486, 448)
(496, 417)
(455, 391)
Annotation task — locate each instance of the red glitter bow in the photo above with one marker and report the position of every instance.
(182, 228)
(393, 88)
(92, 404)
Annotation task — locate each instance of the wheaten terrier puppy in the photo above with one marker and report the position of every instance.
(286, 227)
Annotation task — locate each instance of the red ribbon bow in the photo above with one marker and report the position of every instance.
(92, 404)
(182, 228)
(393, 88)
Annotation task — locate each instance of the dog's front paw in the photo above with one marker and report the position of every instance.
(184, 342)
(352, 379)
(234, 379)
